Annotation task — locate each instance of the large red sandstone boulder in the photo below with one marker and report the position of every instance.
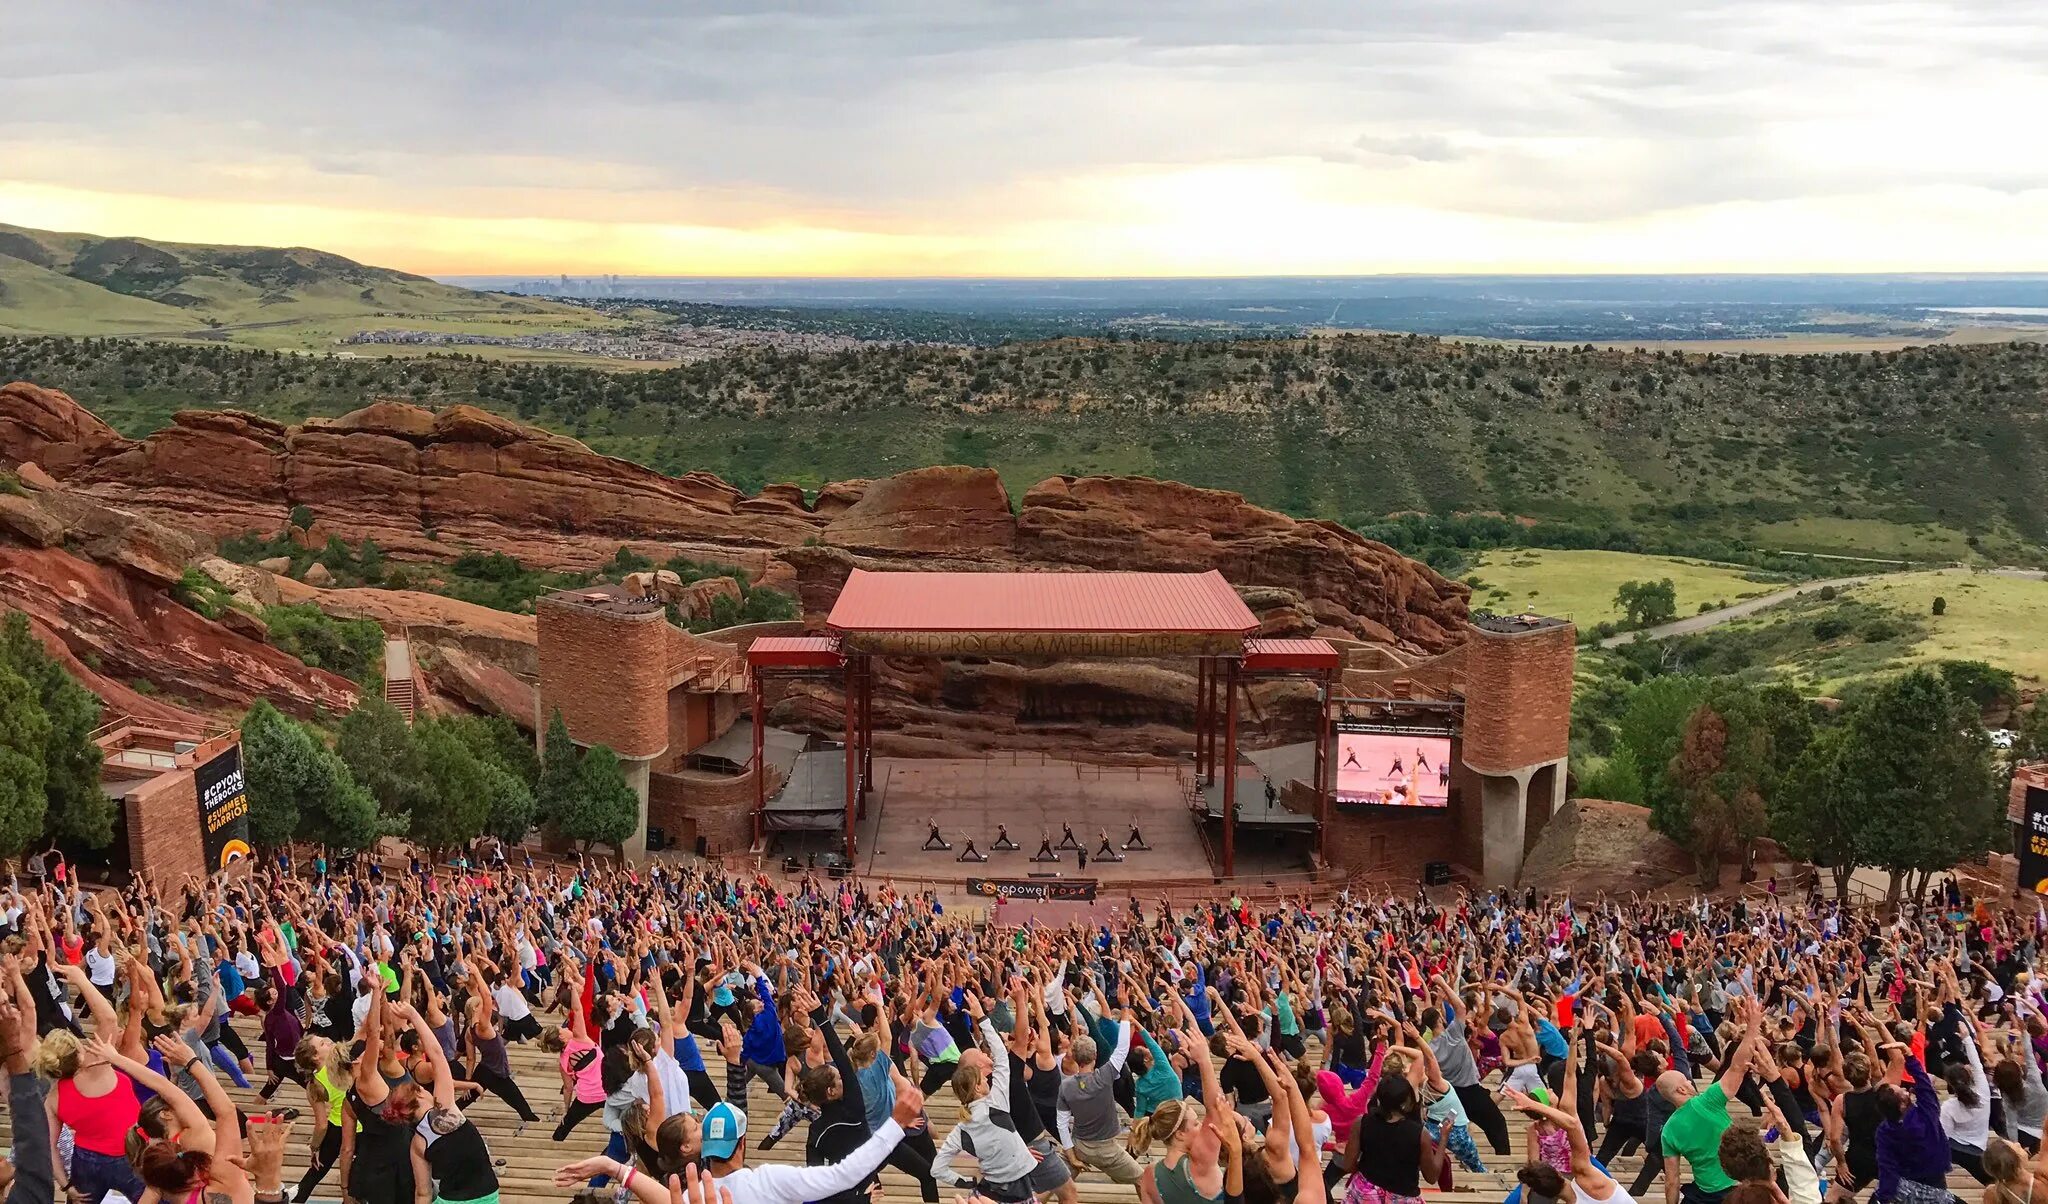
(494, 636)
(117, 697)
(943, 510)
(48, 428)
(1592, 846)
(479, 683)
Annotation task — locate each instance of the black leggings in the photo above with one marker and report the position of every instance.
(1623, 1136)
(504, 1088)
(913, 1156)
(232, 1042)
(1970, 1160)
(323, 1161)
(937, 1075)
(702, 1089)
(574, 1116)
(1653, 1162)
(1485, 1116)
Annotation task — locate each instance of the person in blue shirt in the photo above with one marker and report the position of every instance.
(761, 1051)
(1197, 1000)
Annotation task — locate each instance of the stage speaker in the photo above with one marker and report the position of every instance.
(1436, 873)
(657, 839)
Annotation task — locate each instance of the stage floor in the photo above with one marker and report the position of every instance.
(1034, 795)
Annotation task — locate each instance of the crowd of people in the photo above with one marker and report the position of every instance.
(1746, 1051)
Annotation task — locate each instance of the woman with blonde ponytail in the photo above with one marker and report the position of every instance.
(1169, 1122)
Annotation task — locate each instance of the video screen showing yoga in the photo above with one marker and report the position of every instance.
(1393, 768)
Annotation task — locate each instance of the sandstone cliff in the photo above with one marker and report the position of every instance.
(427, 485)
(98, 585)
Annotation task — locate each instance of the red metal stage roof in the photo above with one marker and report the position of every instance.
(1035, 602)
(796, 652)
(1290, 654)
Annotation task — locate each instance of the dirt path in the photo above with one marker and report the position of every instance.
(1742, 609)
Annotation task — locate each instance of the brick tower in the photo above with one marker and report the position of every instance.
(1518, 702)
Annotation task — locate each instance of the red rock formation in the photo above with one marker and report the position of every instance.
(1592, 846)
(944, 511)
(128, 628)
(424, 485)
(479, 684)
(47, 428)
(507, 640)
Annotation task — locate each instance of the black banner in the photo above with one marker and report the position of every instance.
(2034, 842)
(1055, 890)
(223, 809)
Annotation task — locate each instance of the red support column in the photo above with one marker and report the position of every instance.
(867, 731)
(850, 705)
(1323, 692)
(1209, 766)
(1201, 718)
(760, 768)
(1229, 767)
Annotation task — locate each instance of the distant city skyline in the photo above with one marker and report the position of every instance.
(1076, 138)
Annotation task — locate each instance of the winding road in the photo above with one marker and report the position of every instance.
(1749, 606)
(1739, 610)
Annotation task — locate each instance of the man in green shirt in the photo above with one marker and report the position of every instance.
(1693, 1132)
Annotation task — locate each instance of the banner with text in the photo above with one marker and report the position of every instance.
(2034, 842)
(1034, 889)
(223, 809)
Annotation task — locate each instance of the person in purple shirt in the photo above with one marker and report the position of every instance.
(1912, 1150)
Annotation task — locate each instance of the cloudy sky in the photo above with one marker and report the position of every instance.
(1070, 137)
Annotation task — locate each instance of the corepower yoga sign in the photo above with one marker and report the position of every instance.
(1045, 643)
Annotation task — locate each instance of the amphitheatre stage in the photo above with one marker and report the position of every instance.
(1034, 795)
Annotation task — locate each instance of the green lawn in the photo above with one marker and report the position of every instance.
(2002, 621)
(1580, 585)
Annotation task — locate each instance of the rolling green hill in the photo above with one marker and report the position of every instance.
(83, 284)
(1933, 454)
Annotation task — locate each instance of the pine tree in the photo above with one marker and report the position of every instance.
(605, 809)
(75, 808)
(555, 792)
(24, 731)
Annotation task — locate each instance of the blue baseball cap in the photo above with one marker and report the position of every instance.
(724, 1126)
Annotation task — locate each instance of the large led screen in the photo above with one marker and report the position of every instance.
(1394, 769)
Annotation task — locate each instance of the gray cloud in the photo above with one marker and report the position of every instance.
(891, 111)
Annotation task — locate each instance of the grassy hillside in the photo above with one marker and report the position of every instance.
(1579, 585)
(57, 283)
(1934, 453)
(1826, 641)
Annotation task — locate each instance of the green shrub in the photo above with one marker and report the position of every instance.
(354, 648)
(200, 593)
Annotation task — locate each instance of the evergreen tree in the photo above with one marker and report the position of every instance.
(75, 808)
(277, 768)
(24, 732)
(451, 810)
(300, 787)
(511, 804)
(377, 747)
(604, 810)
(555, 792)
(1918, 763)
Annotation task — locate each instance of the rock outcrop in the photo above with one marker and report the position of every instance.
(128, 628)
(1592, 846)
(101, 583)
(422, 484)
(493, 636)
(426, 485)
